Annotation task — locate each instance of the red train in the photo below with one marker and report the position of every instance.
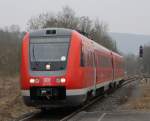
(61, 67)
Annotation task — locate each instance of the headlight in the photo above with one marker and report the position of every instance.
(32, 81)
(48, 67)
(60, 80)
(63, 80)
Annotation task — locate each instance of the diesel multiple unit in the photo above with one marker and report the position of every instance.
(61, 67)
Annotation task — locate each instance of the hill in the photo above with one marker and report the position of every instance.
(129, 43)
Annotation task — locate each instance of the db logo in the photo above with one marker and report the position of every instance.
(46, 80)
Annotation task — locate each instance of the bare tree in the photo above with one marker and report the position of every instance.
(131, 64)
(146, 59)
(85, 24)
(67, 18)
(9, 50)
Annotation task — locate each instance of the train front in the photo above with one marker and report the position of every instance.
(43, 67)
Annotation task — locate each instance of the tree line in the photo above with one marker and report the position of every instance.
(10, 41)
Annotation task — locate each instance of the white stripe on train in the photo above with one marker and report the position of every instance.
(83, 91)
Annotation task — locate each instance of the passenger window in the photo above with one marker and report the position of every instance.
(82, 57)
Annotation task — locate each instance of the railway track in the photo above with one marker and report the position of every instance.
(63, 115)
(129, 80)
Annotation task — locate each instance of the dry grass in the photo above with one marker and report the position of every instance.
(141, 102)
(11, 102)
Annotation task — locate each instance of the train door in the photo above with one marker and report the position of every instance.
(94, 66)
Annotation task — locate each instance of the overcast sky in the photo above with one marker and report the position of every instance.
(129, 16)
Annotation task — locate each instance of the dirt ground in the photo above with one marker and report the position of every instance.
(11, 104)
(140, 97)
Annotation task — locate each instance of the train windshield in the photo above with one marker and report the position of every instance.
(48, 52)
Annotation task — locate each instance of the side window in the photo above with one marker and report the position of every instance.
(81, 56)
(121, 65)
(105, 61)
(94, 61)
(91, 59)
(99, 61)
(88, 59)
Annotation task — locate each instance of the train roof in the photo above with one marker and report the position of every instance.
(97, 46)
(51, 32)
(67, 32)
(116, 54)
(100, 47)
